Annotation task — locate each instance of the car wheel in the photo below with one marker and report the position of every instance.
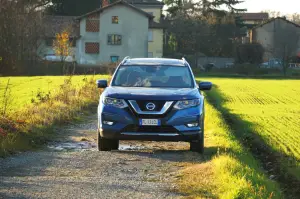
(107, 144)
(198, 145)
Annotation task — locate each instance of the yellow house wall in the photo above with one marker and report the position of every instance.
(156, 46)
(156, 13)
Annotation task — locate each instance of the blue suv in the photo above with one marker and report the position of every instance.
(154, 99)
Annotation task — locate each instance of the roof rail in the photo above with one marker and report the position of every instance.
(183, 59)
(124, 60)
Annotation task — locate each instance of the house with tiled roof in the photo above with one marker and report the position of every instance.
(111, 32)
(251, 20)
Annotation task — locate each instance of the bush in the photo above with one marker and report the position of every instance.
(245, 69)
(208, 67)
(55, 68)
(249, 53)
(296, 74)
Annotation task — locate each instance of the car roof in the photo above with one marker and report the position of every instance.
(154, 61)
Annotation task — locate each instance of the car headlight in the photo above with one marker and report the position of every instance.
(119, 103)
(187, 104)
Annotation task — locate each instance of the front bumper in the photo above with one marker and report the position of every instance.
(151, 136)
(173, 125)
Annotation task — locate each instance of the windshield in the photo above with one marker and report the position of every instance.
(153, 76)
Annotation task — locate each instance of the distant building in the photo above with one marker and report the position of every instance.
(156, 33)
(108, 34)
(251, 20)
(275, 35)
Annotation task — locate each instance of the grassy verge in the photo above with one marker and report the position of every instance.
(28, 128)
(277, 163)
(230, 171)
(267, 111)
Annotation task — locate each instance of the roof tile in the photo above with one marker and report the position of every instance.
(254, 16)
(57, 24)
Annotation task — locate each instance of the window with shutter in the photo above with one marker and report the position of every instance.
(92, 23)
(150, 35)
(92, 48)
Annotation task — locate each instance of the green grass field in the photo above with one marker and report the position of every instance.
(271, 107)
(23, 89)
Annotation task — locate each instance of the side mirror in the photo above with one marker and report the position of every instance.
(205, 86)
(102, 83)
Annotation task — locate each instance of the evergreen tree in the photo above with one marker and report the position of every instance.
(203, 7)
(72, 7)
(203, 26)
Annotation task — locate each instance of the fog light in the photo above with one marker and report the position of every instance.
(108, 123)
(192, 125)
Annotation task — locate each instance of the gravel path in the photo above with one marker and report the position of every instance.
(70, 167)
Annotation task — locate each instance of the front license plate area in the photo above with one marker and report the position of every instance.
(149, 122)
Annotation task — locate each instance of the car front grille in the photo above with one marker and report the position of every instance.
(158, 104)
(149, 129)
(154, 113)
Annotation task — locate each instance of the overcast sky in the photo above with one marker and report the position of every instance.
(284, 6)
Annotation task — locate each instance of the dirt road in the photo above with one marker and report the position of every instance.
(71, 167)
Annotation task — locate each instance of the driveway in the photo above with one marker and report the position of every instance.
(71, 167)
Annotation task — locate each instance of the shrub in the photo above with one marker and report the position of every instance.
(249, 53)
(55, 68)
(245, 69)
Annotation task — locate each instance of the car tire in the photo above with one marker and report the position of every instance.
(198, 145)
(107, 144)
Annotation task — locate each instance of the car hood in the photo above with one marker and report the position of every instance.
(138, 93)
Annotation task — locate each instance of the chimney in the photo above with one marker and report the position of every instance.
(105, 3)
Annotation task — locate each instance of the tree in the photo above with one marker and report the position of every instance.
(212, 36)
(21, 30)
(272, 13)
(250, 53)
(72, 7)
(62, 47)
(202, 7)
(202, 27)
(295, 17)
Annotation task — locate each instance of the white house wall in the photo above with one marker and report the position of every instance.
(133, 26)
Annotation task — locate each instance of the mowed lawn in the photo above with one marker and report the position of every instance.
(271, 106)
(24, 89)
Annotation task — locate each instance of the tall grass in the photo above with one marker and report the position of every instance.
(30, 127)
(6, 100)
